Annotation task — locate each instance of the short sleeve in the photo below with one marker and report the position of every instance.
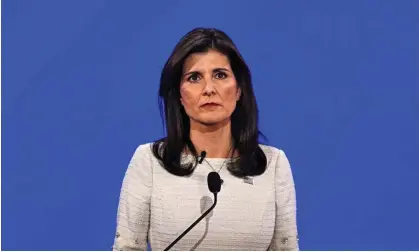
(133, 214)
(285, 233)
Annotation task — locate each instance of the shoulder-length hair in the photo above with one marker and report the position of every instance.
(244, 120)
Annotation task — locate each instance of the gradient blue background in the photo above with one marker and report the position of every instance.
(336, 82)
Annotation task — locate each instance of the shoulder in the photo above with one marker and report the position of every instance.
(277, 161)
(273, 154)
(144, 149)
(279, 164)
(141, 158)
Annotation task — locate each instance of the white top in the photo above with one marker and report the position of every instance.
(156, 207)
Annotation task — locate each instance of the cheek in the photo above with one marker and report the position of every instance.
(187, 97)
(231, 96)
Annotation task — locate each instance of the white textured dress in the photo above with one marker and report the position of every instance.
(155, 207)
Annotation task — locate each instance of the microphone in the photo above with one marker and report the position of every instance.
(201, 158)
(214, 185)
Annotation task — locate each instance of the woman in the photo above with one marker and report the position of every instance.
(209, 106)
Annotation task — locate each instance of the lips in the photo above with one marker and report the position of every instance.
(210, 105)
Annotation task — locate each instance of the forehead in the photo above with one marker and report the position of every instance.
(206, 60)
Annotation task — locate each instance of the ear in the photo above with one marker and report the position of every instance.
(239, 94)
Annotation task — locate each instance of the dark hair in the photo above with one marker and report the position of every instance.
(244, 120)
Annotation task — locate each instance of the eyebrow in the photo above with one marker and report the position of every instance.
(218, 69)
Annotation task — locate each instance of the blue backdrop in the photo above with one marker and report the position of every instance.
(336, 82)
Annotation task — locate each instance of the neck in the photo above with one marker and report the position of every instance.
(216, 140)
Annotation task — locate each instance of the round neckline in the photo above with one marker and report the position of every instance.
(212, 159)
(217, 159)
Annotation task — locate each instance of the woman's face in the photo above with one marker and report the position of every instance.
(208, 88)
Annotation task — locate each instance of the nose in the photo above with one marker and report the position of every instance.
(209, 88)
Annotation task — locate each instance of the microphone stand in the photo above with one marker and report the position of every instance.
(193, 224)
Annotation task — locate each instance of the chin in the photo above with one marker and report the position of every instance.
(213, 120)
(210, 123)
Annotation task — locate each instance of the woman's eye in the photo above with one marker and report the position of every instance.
(220, 75)
(194, 78)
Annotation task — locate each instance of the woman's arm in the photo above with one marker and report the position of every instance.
(285, 234)
(134, 204)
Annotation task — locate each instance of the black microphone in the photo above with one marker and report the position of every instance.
(201, 158)
(214, 185)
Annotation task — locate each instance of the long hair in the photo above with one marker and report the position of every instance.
(244, 119)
